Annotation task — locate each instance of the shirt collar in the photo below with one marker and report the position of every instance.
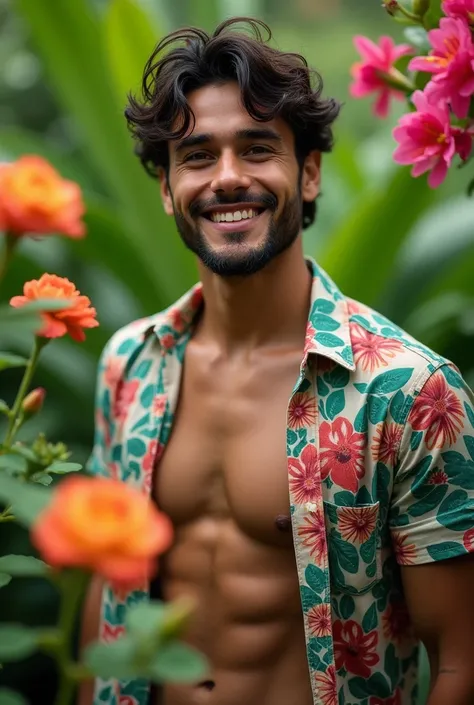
(327, 332)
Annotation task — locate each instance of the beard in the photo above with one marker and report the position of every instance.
(281, 234)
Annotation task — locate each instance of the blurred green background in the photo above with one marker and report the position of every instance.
(387, 240)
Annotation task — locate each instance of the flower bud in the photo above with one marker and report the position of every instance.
(391, 6)
(33, 401)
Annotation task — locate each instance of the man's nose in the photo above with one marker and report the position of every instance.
(229, 174)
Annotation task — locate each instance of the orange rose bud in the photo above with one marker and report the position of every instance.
(35, 199)
(70, 320)
(33, 402)
(105, 526)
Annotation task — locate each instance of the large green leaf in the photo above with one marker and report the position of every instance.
(10, 697)
(130, 36)
(360, 253)
(23, 566)
(28, 501)
(69, 38)
(17, 642)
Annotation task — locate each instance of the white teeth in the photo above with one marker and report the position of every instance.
(232, 217)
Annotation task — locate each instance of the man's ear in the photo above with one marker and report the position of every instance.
(311, 176)
(165, 192)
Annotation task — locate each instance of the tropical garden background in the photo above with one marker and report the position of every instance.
(386, 238)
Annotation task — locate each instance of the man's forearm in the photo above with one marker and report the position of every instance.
(453, 687)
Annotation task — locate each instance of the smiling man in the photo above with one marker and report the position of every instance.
(315, 460)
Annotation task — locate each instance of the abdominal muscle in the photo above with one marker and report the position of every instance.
(248, 619)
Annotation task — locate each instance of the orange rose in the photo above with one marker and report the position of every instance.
(70, 320)
(105, 526)
(34, 198)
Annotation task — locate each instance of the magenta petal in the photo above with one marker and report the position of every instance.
(460, 105)
(369, 51)
(438, 174)
(401, 50)
(421, 63)
(382, 104)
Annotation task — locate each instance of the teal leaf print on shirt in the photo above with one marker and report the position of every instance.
(469, 443)
(346, 554)
(380, 484)
(370, 619)
(322, 306)
(397, 407)
(323, 389)
(315, 578)
(364, 496)
(452, 378)
(347, 606)
(309, 598)
(429, 497)
(415, 439)
(338, 378)
(469, 412)
(361, 421)
(392, 665)
(377, 685)
(361, 387)
(391, 381)
(136, 447)
(368, 549)
(377, 409)
(143, 369)
(343, 499)
(456, 512)
(126, 346)
(328, 340)
(147, 396)
(335, 404)
(445, 550)
(460, 471)
(324, 323)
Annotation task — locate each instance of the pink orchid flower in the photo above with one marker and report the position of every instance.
(428, 140)
(459, 8)
(376, 73)
(452, 63)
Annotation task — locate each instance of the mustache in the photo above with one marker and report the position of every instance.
(266, 200)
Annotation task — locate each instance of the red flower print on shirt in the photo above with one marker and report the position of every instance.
(313, 534)
(397, 625)
(326, 686)
(113, 372)
(468, 540)
(301, 411)
(167, 341)
(305, 481)
(319, 620)
(372, 351)
(159, 404)
(128, 700)
(149, 457)
(354, 650)
(395, 699)
(405, 553)
(438, 477)
(111, 633)
(309, 343)
(386, 443)
(126, 393)
(357, 525)
(438, 411)
(341, 453)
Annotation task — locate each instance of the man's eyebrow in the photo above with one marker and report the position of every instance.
(251, 133)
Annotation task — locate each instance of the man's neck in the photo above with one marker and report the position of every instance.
(266, 309)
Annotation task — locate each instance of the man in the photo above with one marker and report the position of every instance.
(316, 461)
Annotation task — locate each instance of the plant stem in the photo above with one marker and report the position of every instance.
(25, 383)
(409, 15)
(73, 585)
(10, 243)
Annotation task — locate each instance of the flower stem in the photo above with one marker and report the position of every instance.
(10, 243)
(25, 383)
(409, 15)
(73, 585)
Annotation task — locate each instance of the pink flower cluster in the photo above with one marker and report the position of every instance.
(428, 138)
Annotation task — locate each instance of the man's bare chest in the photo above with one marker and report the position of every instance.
(226, 456)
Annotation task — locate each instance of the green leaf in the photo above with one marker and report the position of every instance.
(7, 360)
(445, 550)
(470, 413)
(370, 619)
(347, 554)
(338, 378)
(27, 500)
(397, 407)
(4, 579)
(322, 306)
(429, 497)
(146, 618)
(435, 13)
(415, 439)
(347, 606)
(456, 511)
(335, 404)
(323, 389)
(18, 321)
(369, 548)
(114, 660)
(130, 37)
(13, 463)
(469, 442)
(11, 697)
(358, 687)
(4, 408)
(178, 662)
(309, 598)
(344, 499)
(419, 38)
(329, 340)
(59, 468)
(324, 323)
(23, 566)
(361, 420)
(378, 685)
(16, 642)
(41, 478)
(391, 381)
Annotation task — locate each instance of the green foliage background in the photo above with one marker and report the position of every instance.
(65, 69)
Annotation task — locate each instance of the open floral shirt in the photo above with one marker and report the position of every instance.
(380, 446)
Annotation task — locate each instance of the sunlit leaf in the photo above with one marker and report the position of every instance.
(112, 660)
(12, 462)
(23, 566)
(178, 662)
(60, 468)
(5, 579)
(8, 360)
(27, 500)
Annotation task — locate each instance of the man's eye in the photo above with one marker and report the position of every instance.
(258, 149)
(197, 157)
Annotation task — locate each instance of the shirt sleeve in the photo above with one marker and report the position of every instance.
(98, 461)
(432, 507)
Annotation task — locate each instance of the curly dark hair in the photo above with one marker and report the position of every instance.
(272, 83)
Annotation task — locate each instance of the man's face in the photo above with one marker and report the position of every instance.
(235, 187)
